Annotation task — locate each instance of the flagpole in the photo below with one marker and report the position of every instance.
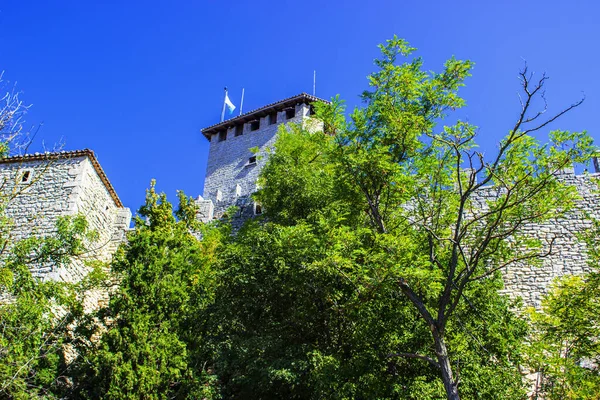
(223, 111)
(314, 81)
(242, 102)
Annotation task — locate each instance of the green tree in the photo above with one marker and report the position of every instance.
(417, 189)
(564, 349)
(36, 314)
(306, 305)
(153, 345)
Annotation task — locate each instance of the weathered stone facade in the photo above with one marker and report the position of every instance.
(568, 253)
(43, 187)
(238, 151)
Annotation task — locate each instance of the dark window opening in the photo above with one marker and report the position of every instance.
(252, 160)
(222, 136)
(273, 118)
(25, 177)
(254, 125)
(239, 129)
(311, 110)
(257, 209)
(290, 113)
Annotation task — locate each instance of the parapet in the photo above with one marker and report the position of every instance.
(277, 112)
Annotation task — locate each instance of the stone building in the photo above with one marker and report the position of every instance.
(238, 151)
(233, 169)
(39, 188)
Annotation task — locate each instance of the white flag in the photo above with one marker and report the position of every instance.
(229, 104)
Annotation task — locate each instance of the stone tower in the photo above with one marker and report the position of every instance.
(233, 167)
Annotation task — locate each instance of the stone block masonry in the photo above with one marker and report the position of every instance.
(40, 188)
(568, 255)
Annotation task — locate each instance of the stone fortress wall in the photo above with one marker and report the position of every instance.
(568, 253)
(43, 187)
(231, 179)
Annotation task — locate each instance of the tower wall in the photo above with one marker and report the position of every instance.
(230, 174)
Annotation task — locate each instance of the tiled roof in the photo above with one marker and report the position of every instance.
(61, 155)
(279, 105)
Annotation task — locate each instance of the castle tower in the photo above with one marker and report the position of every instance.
(238, 151)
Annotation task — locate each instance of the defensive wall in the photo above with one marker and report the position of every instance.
(559, 239)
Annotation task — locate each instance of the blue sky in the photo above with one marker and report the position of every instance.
(136, 81)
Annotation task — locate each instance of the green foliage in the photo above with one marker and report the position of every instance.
(37, 314)
(308, 305)
(425, 246)
(564, 349)
(300, 182)
(153, 344)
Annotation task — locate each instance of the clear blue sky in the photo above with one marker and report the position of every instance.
(136, 81)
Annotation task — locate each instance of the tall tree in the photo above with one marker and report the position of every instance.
(308, 304)
(422, 186)
(152, 347)
(442, 219)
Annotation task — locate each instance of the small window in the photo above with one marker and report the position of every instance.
(222, 136)
(311, 110)
(219, 195)
(273, 118)
(290, 113)
(26, 177)
(254, 125)
(252, 160)
(257, 209)
(239, 129)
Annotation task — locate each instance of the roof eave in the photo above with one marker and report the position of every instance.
(260, 112)
(68, 155)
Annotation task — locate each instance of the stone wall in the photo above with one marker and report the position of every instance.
(568, 253)
(41, 190)
(104, 216)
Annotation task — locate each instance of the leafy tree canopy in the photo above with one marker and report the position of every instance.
(410, 193)
(153, 345)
